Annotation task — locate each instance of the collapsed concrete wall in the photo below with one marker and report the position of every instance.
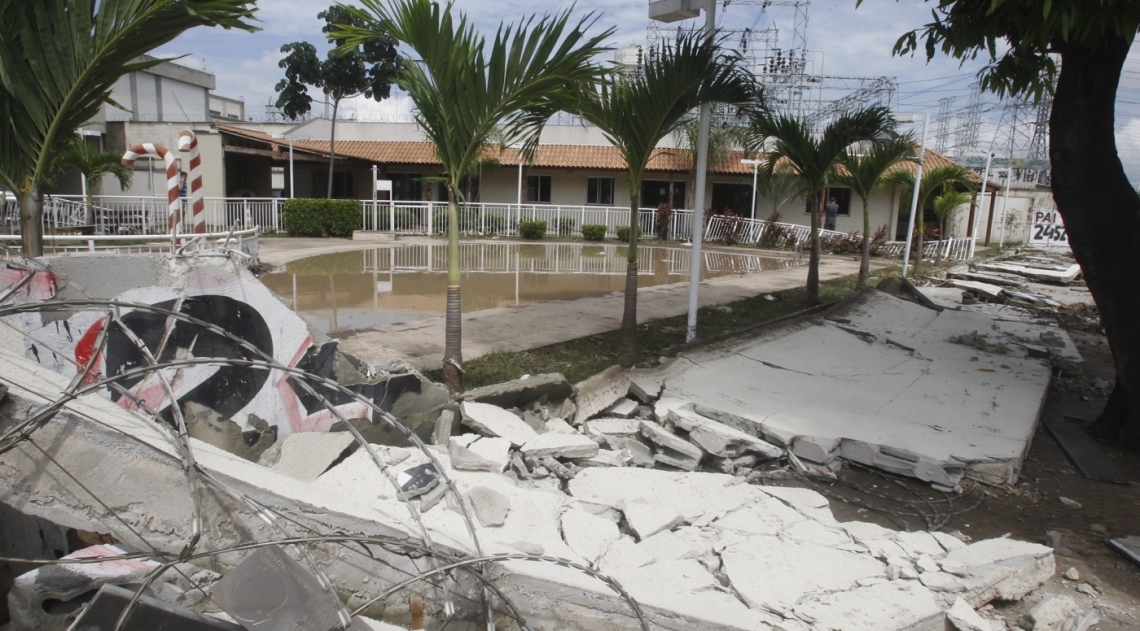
(243, 407)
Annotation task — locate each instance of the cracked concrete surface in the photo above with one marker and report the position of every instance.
(883, 375)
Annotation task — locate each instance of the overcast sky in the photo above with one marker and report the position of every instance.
(842, 40)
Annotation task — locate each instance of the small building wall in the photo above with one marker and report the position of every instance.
(123, 135)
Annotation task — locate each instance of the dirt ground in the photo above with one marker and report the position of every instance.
(1032, 508)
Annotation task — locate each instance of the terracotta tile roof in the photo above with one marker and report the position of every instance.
(548, 156)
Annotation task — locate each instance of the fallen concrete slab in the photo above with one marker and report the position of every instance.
(879, 377)
(519, 393)
(599, 392)
(492, 420)
(305, 456)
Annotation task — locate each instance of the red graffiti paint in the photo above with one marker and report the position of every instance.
(85, 347)
(42, 287)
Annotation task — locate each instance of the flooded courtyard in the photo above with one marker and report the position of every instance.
(388, 285)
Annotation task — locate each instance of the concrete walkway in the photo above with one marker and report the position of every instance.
(277, 251)
(512, 329)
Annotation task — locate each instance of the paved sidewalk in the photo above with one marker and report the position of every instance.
(420, 342)
(277, 251)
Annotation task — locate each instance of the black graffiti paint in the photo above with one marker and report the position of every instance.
(321, 361)
(230, 388)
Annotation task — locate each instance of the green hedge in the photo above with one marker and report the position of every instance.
(593, 232)
(532, 229)
(321, 217)
(623, 233)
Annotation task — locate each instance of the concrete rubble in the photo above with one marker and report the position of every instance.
(648, 477)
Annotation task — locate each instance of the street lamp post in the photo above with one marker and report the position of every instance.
(914, 196)
(755, 170)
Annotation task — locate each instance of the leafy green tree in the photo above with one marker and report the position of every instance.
(59, 60)
(722, 140)
(778, 186)
(812, 157)
(636, 111)
(1022, 40)
(467, 93)
(93, 165)
(365, 69)
(944, 206)
(933, 180)
(863, 173)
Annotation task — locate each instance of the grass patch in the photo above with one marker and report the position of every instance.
(585, 356)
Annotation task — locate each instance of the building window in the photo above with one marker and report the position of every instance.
(538, 188)
(406, 186)
(600, 190)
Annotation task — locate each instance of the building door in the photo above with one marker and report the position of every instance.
(656, 192)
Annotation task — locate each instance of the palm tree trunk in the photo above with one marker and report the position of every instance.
(89, 216)
(865, 259)
(31, 222)
(941, 238)
(332, 148)
(812, 291)
(453, 336)
(918, 239)
(627, 352)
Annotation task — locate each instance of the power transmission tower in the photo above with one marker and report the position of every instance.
(942, 124)
(966, 135)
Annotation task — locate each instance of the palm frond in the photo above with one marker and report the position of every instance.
(864, 173)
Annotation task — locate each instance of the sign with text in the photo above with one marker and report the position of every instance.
(1048, 229)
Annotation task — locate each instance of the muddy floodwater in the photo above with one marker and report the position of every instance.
(387, 285)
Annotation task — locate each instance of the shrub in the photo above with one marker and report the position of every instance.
(566, 226)
(661, 220)
(321, 217)
(532, 229)
(593, 232)
(623, 234)
(775, 235)
(878, 240)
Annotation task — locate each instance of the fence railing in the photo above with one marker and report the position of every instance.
(753, 231)
(121, 215)
(481, 218)
(245, 241)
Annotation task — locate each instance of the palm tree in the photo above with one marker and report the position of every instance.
(812, 157)
(93, 165)
(779, 187)
(863, 173)
(932, 180)
(635, 112)
(465, 95)
(944, 206)
(59, 60)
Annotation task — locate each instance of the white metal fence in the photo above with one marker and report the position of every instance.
(430, 218)
(245, 241)
(121, 215)
(753, 232)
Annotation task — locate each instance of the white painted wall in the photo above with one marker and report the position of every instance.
(182, 102)
(146, 87)
(166, 134)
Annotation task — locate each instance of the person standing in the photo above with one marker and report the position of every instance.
(831, 212)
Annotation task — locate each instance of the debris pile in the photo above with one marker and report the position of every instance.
(1037, 279)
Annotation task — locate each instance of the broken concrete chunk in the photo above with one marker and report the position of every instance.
(495, 421)
(666, 546)
(623, 427)
(646, 388)
(640, 452)
(560, 446)
(465, 459)
(662, 407)
(674, 451)
(816, 449)
(1056, 613)
(623, 554)
(442, 432)
(964, 618)
(588, 535)
(893, 606)
(624, 408)
(599, 392)
(646, 520)
(719, 439)
(432, 497)
(522, 392)
(918, 544)
(566, 411)
(306, 455)
(557, 468)
(607, 458)
(490, 506)
(559, 426)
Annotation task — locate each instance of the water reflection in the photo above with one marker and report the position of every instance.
(368, 288)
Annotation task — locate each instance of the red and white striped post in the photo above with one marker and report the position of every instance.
(158, 151)
(187, 142)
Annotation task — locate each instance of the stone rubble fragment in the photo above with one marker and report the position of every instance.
(674, 451)
(607, 458)
(465, 459)
(560, 446)
(644, 387)
(719, 439)
(964, 618)
(306, 455)
(443, 425)
(1056, 613)
(646, 520)
(588, 535)
(490, 506)
(625, 408)
(559, 426)
(640, 453)
(596, 393)
(522, 392)
(492, 420)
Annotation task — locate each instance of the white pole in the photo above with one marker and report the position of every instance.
(981, 202)
(375, 213)
(914, 196)
(519, 202)
(755, 170)
(698, 210)
(1005, 201)
(290, 168)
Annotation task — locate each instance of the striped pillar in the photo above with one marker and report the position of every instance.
(187, 142)
(158, 151)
